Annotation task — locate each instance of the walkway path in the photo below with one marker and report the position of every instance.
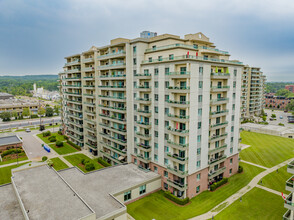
(10, 164)
(254, 183)
(254, 164)
(270, 190)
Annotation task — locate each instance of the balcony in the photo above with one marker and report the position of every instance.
(143, 88)
(175, 131)
(176, 145)
(144, 147)
(77, 70)
(218, 113)
(215, 173)
(143, 136)
(88, 60)
(77, 116)
(76, 131)
(177, 158)
(178, 75)
(72, 78)
(179, 118)
(90, 121)
(91, 137)
(113, 66)
(144, 124)
(146, 113)
(91, 146)
(120, 53)
(118, 130)
(177, 184)
(112, 98)
(117, 150)
(181, 89)
(143, 159)
(89, 103)
(143, 76)
(174, 103)
(88, 69)
(177, 172)
(73, 86)
(108, 88)
(75, 109)
(290, 184)
(89, 94)
(73, 94)
(145, 101)
(119, 109)
(219, 88)
(217, 149)
(111, 77)
(218, 137)
(89, 86)
(116, 160)
(76, 123)
(88, 78)
(290, 167)
(115, 139)
(287, 215)
(73, 101)
(72, 63)
(220, 75)
(219, 101)
(289, 204)
(113, 118)
(219, 125)
(217, 160)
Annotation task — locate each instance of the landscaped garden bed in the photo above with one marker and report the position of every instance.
(12, 155)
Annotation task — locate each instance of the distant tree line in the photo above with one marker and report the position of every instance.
(21, 85)
(273, 87)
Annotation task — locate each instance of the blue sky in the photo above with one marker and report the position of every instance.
(35, 35)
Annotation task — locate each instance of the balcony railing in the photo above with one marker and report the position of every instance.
(178, 73)
(112, 65)
(109, 76)
(214, 160)
(111, 107)
(114, 138)
(177, 130)
(118, 87)
(178, 102)
(177, 144)
(143, 123)
(112, 117)
(112, 54)
(111, 97)
(177, 170)
(218, 112)
(177, 157)
(117, 129)
(178, 116)
(218, 136)
(218, 148)
(177, 184)
(179, 88)
(143, 146)
(143, 135)
(219, 100)
(114, 148)
(219, 124)
(220, 74)
(144, 99)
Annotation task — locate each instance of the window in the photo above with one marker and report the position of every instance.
(135, 161)
(156, 121)
(197, 189)
(142, 189)
(156, 160)
(150, 59)
(134, 49)
(198, 163)
(235, 72)
(166, 98)
(198, 176)
(165, 161)
(230, 171)
(200, 84)
(232, 129)
(127, 196)
(166, 111)
(166, 84)
(233, 117)
(166, 71)
(156, 145)
(231, 150)
(135, 61)
(182, 140)
(233, 107)
(159, 58)
(166, 123)
(166, 137)
(232, 139)
(135, 107)
(171, 57)
(199, 111)
(156, 133)
(200, 98)
(165, 173)
(146, 72)
(156, 109)
(234, 84)
(201, 71)
(135, 72)
(156, 84)
(156, 71)
(199, 138)
(155, 168)
(165, 186)
(231, 161)
(198, 151)
(199, 125)
(156, 97)
(166, 149)
(234, 95)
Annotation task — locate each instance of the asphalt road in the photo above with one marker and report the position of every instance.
(278, 113)
(29, 122)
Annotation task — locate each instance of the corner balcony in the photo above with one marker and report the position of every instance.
(178, 75)
(120, 53)
(112, 98)
(289, 204)
(180, 104)
(175, 131)
(112, 148)
(113, 66)
(143, 76)
(143, 136)
(287, 215)
(116, 88)
(112, 77)
(176, 89)
(111, 128)
(74, 108)
(144, 124)
(290, 184)
(73, 86)
(146, 101)
(88, 60)
(177, 158)
(177, 185)
(217, 149)
(290, 167)
(218, 113)
(113, 118)
(89, 104)
(91, 146)
(178, 118)
(144, 147)
(72, 63)
(112, 158)
(72, 79)
(143, 88)
(75, 123)
(214, 137)
(217, 160)
(88, 69)
(143, 159)
(215, 173)
(219, 125)
(176, 145)
(146, 113)
(220, 88)
(73, 71)
(219, 101)
(74, 94)
(177, 172)
(92, 138)
(114, 139)
(115, 109)
(220, 75)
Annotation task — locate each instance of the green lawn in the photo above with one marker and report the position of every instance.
(75, 160)
(5, 173)
(156, 206)
(66, 149)
(45, 139)
(256, 204)
(276, 180)
(58, 164)
(266, 150)
(13, 160)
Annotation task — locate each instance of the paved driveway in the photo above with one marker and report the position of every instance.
(278, 113)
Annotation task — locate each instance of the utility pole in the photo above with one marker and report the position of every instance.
(39, 112)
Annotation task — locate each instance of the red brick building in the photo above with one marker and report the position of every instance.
(276, 102)
(7, 142)
(290, 88)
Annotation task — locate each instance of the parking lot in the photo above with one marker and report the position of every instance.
(279, 113)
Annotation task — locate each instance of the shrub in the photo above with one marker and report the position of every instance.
(84, 161)
(74, 145)
(214, 186)
(281, 124)
(240, 169)
(59, 132)
(52, 139)
(59, 143)
(65, 138)
(44, 158)
(103, 162)
(46, 133)
(89, 166)
(34, 116)
(170, 196)
(11, 151)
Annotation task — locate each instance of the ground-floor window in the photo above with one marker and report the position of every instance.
(142, 189)
(165, 186)
(127, 196)
(197, 189)
(230, 171)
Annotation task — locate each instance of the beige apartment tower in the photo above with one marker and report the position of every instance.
(168, 104)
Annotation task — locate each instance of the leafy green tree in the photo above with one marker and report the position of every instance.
(5, 116)
(14, 114)
(49, 112)
(273, 116)
(56, 109)
(41, 111)
(290, 106)
(285, 93)
(26, 112)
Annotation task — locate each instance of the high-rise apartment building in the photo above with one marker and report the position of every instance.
(253, 92)
(167, 104)
(289, 201)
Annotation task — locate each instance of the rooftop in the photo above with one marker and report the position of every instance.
(9, 206)
(46, 195)
(7, 140)
(105, 182)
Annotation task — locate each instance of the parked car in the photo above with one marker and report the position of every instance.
(271, 119)
(281, 117)
(28, 130)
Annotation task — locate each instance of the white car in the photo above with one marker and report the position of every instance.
(28, 130)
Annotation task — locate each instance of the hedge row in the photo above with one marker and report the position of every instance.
(240, 169)
(175, 199)
(103, 162)
(214, 186)
(46, 133)
(11, 151)
(74, 145)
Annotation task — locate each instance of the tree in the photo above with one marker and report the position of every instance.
(14, 114)
(49, 112)
(273, 116)
(290, 106)
(5, 116)
(284, 92)
(264, 117)
(41, 111)
(56, 109)
(26, 112)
